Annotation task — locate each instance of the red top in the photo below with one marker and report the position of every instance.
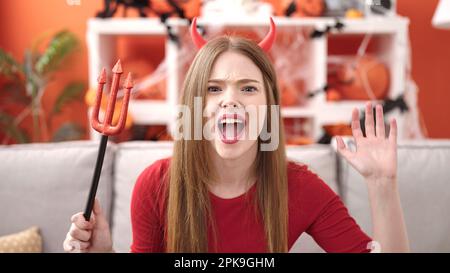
(313, 208)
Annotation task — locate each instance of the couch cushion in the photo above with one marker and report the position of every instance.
(424, 183)
(43, 185)
(320, 160)
(133, 157)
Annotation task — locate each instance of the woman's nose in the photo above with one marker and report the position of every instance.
(230, 99)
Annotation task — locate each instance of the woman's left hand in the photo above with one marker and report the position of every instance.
(376, 155)
(376, 159)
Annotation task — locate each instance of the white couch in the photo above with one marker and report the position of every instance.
(44, 184)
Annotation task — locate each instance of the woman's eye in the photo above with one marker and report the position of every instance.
(213, 89)
(249, 89)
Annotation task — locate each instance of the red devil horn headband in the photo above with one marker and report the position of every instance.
(265, 44)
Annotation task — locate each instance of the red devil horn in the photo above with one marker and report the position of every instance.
(196, 37)
(267, 42)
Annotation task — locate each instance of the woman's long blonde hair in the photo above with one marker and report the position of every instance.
(188, 205)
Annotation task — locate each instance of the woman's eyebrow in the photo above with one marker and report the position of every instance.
(240, 81)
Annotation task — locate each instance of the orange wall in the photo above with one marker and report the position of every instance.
(430, 64)
(23, 21)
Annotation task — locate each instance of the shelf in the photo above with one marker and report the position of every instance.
(148, 112)
(364, 25)
(126, 26)
(142, 110)
(391, 32)
(120, 26)
(294, 112)
(328, 112)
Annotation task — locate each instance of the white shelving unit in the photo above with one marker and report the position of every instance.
(102, 34)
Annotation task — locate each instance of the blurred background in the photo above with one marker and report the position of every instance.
(48, 67)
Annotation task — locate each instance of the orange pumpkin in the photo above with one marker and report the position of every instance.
(310, 8)
(191, 7)
(299, 140)
(333, 95)
(353, 77)
(291, 93)
(339, 129)
(304, 8)
(288, 97)
(296, 132)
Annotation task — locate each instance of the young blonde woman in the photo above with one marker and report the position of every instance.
(227, 193)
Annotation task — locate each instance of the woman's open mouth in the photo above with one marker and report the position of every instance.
(231, 127)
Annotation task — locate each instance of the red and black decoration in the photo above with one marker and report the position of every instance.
(163, 9)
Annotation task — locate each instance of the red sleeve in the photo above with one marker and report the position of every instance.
(146, 218)
(329, 222)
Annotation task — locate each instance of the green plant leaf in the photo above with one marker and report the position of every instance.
(8, 65)
(8, 127)
(31, 79)
(62, 44)
(68, 131)
(70, 93)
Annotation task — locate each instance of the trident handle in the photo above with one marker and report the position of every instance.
(106, 128)
(96, 178)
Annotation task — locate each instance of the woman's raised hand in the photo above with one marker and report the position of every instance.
(376, 154)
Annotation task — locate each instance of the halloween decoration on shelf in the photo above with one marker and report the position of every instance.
(380, 7)
(304, 8)
(166, 8)
(153, 90)
(298, 131)
(331, 130)
(111, 6)
(106, 128)
(184, 9)
(353, 14)
(389, 105)
(340, 8)
(338, 25)
(333, 94)
(291, 91)
(151, 80)
(151, 132)
(361, 78)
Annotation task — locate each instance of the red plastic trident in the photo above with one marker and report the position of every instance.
(107, 128)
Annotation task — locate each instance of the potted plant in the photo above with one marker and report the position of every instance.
(26, 84)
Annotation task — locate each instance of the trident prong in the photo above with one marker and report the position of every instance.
(107, 128)
(123, 112)
(98, 100)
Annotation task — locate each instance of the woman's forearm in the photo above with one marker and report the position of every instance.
(389, 228)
